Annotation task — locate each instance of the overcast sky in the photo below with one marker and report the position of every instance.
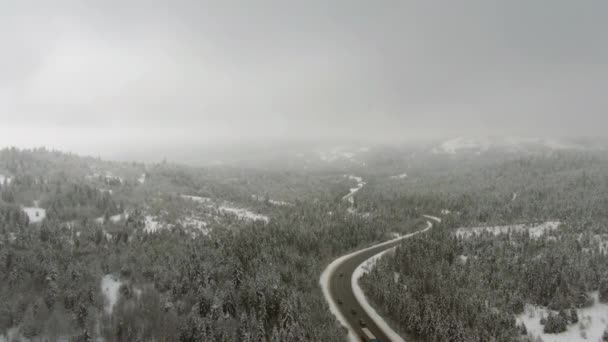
(89, 76)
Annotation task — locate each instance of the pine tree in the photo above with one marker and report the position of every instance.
(604, 290)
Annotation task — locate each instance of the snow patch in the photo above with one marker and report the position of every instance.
(271, 201)
(152, 224)
(534, 231)
(5, 179)
(113, 218)
(593, 321)
(197, 199)
(107, 176)
(401, 176)
(199, 225)
(244, 214)
(110, 286)
(396, 277)
(35, 214)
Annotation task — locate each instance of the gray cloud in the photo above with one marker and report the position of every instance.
(79, 74)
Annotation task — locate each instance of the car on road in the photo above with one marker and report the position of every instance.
(368, 336)
(340, 301)
(353, 311)
(341, 275)
(362, 323)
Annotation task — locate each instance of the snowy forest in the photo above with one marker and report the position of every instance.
(96, 250)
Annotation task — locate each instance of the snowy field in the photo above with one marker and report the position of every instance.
(110, 286)
(35, 215)
(535, 231)
(272, 201)
(243, 214)
(592, 323)
(229, 208)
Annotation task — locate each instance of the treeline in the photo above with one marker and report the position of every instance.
(555, 186)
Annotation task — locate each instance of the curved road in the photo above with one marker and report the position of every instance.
(337, 282)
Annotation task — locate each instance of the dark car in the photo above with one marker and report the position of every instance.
(340, 301)
(341, 275)
(362, 323)
(353, 311)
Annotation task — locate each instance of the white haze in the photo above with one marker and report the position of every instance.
(105, 76)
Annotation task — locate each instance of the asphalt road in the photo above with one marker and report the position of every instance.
(340, 288)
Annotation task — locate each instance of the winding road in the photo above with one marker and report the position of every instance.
(340, 287)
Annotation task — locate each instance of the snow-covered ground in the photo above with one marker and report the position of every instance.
(199, 225)
(272, 201)
(113, 219)
(5, 179)
(35, 214)
(243, 214)
(592, 323)
(229, 208)
(108, 176)
(110, 286)
(152, 224)
(353, 191)
(197, 199)
(534, 231)
(401, 176)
